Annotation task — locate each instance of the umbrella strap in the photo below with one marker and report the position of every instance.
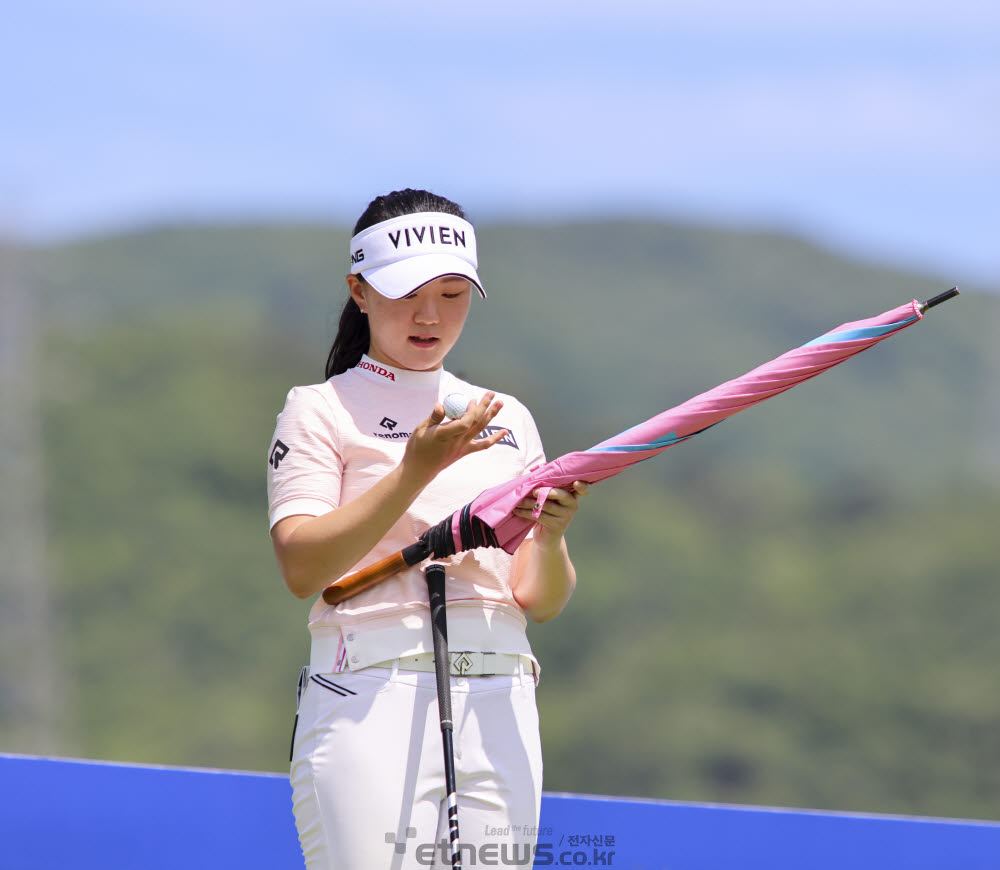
(540, 496)
(439, 540)
(474, 532)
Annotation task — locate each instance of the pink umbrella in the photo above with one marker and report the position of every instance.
(488, 520)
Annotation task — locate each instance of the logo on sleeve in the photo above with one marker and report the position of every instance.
(278, 452)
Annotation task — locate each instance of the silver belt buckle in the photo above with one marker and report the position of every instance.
(461, 663)
(482, 664)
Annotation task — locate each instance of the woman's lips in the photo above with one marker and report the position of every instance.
(423, 341)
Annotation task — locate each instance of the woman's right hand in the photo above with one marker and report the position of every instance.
(437, 442)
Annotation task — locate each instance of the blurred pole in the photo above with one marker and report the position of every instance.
(28, 703)
(991, 401)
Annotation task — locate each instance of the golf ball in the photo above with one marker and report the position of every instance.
(455, 405)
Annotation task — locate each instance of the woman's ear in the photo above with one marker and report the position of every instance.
(357, 292)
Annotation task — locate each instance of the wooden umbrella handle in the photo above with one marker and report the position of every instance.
(359, 581)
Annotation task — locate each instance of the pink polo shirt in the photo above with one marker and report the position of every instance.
(334, 441)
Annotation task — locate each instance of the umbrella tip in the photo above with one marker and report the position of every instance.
(937, 300)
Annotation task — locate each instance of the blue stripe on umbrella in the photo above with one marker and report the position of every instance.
(666, 441)
(856, 334)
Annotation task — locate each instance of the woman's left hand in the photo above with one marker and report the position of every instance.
(557, 512)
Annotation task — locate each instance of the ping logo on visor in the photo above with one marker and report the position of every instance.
(400, 255)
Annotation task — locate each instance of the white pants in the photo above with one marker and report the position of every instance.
(368, 770)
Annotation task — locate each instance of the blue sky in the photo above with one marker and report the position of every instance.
(872, 127)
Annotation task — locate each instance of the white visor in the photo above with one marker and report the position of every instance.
(402, 254)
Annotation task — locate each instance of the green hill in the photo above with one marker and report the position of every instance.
(798, 607)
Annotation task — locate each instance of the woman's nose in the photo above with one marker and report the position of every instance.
(426, 313)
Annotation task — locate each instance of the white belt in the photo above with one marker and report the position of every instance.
(329, 654)
(466, 663)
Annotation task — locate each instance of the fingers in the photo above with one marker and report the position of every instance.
(476, 418)
(437, 442)
(560, 498)
(558, 503)
(479, 414)
(557, 510)
(485, 443)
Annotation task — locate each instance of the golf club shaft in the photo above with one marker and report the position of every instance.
(434, 575)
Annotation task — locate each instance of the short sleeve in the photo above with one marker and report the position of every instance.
(304, 464)
(534, 453)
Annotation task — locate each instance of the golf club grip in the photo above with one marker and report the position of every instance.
(359, 581)
(439, 633)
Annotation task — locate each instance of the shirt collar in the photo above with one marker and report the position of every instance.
(382, 373)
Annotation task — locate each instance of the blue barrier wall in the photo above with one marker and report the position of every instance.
(82, 815)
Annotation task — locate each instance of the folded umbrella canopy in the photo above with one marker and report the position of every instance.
(488, 520)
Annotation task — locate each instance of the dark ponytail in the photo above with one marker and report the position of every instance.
(353, 335)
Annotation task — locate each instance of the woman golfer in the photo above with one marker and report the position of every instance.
(359, 466)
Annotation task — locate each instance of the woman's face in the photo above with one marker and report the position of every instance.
(417, 331)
